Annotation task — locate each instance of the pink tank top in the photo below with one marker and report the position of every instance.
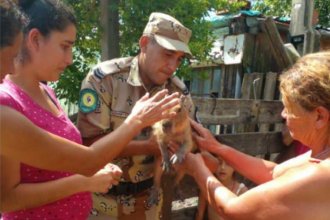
(76, 206)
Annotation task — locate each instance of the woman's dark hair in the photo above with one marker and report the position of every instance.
(12, 21)
(47, 15)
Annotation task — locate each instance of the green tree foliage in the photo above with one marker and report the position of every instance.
(323, 6)
(133, 18)
(86, 51)
(282, 8)
(274, 7)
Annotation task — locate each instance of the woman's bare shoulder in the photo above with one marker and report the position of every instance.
(298, 161)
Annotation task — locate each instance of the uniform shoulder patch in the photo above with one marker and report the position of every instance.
(111, 66)
(88, 100)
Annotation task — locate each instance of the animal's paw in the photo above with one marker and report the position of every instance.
(177, 158)
(166, 166)
(153, 198)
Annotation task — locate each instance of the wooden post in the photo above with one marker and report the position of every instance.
(269, 94)
(297, 27)
(312, 36)
(280, 55)
(252, 85)
(251, 89)
(302, 24)
(168, 195)
(297, 23)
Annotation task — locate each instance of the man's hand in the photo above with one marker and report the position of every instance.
(153, 146)
(193, 161)
(172, 147)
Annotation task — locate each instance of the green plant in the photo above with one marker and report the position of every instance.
(133, 16)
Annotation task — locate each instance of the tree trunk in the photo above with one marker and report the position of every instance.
(110, 29)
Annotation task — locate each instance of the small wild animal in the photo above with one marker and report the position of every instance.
(177, 130)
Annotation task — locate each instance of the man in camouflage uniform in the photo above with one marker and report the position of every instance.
(107, 96)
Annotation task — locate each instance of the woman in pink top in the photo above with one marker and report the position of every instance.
(35, 146)
(29, 192)
(47, 186)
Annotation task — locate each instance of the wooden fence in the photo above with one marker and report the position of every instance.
(251, 124)
(240, 106)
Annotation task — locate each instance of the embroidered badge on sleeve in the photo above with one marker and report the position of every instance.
(88, 100)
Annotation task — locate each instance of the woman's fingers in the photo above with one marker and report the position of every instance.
(210, 161)
(163, 105)
(196, 126)
(165, 101)
(115, 172)
(145, 97)
(159, 95)
(169, 101)
(202, 132)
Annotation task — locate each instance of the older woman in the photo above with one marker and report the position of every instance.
(296, 189)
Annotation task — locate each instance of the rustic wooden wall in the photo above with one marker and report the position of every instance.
(240, 103)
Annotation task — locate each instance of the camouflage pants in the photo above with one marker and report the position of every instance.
(132, 207)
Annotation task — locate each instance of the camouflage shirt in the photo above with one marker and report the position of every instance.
(107, 96)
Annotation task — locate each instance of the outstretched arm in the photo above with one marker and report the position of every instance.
(255, 169)
(290, 196)
(201, 209)
(25, 142)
